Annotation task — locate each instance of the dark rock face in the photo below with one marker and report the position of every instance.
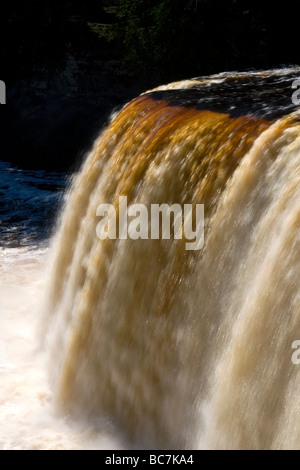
(62, 82)
(50, 120)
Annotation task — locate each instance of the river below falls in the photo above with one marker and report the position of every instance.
(29, 203)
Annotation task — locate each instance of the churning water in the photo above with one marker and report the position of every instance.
(140, 343)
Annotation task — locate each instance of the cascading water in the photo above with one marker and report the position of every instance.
(177, 348)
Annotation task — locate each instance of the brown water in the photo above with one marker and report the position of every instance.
(152, 345)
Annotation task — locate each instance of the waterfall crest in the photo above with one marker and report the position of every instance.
(186, 349)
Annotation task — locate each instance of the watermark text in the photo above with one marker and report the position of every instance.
(2, 92)
(161, 221)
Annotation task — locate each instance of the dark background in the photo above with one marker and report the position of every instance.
(64, 76)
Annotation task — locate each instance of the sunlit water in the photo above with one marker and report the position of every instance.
(27, 416)
(147, 346)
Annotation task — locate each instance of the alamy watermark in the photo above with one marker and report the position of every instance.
(296, 354)
(137, 222)
(2, 92)
(296, 94)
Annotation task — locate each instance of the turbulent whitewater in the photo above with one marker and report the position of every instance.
(177, 348)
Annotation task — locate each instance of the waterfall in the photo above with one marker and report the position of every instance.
(177, 348)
